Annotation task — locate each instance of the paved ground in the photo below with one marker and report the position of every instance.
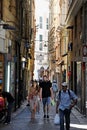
(21, 120)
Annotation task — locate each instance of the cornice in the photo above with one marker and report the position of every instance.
(73, 9)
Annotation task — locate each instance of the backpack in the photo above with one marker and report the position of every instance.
(55, 88)
(68, 93)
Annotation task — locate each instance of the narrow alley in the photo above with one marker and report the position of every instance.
(21, 120)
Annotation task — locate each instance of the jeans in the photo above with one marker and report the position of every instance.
(9, 110)
(64, 113)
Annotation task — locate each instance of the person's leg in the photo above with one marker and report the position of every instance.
(32, 115)
(8, 118)
(55, 96)
(44, 106)
(61, 113)
(32, 108)
(67, 117)
(38, 107)
(48, 106)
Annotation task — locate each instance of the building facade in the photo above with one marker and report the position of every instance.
(70, 59)
(54, 40)
(76, 25)
(15, 39)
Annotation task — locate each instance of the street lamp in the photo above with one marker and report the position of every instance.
(23, 62)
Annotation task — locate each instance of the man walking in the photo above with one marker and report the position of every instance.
(45, 94)
(66, 100)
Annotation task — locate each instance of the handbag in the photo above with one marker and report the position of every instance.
(57, 119)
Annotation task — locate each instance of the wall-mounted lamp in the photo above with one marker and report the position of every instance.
(23, 60)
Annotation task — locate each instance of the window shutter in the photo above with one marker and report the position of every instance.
(1, 9)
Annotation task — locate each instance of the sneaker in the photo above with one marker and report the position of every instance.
(44, 116)
(5, 123)
(28, 104)
(47, 116)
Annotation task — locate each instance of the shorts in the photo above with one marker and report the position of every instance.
(46, 101)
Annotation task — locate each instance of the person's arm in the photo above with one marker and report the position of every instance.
(74, 100)
(40, 93)
(73, 103)
(52, 95)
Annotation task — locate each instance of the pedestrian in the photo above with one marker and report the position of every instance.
(9, 100)
(38, 96)
(46, 93)
(66, 100)
(33, 99)
(55, 88)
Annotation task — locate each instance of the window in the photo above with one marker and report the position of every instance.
(75, 26)
(40, 45)
(47, 24)
(0, 9)
(40, 22)
(40, 38)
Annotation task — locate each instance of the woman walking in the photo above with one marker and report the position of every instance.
(33, 99)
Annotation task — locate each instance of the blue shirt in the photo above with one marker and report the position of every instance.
(65, 99)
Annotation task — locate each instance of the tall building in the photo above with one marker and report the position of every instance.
(41, 42)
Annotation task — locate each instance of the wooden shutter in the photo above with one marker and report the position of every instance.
(1, 9)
